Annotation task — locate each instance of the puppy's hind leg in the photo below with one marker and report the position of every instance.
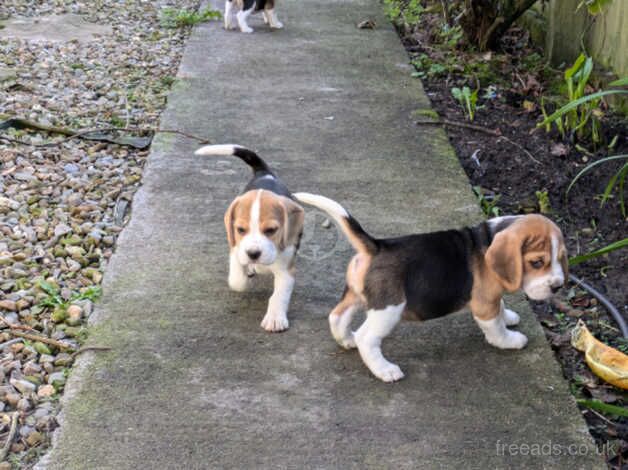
(340, 319)
(238, 280)
(242, 15)
(368, 338)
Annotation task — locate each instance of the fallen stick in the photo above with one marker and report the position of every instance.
(41, 339)
(20, 123)
(89, 348)
(7, 445)
(496, 133)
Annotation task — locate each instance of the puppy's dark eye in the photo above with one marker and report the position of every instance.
(270, 231)
(241, 230)
(537, 264)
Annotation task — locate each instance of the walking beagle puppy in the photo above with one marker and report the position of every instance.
(264, 226)
(245, 8)
(430, 275)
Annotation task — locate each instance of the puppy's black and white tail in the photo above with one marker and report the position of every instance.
(357, 236)
(249, 157)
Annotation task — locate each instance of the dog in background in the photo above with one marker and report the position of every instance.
(264, 226)
(430, 275)
(244, 8)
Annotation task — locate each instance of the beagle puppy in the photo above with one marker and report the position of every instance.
(264, 226)
(245, 8)
(430, 275)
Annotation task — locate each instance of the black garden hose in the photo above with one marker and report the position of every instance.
(616, 314)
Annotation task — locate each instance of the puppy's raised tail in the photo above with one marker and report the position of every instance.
(247, 156)
(357, 236)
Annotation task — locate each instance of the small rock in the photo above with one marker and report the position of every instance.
(63, 359)
(46, 391)
(24, 404)
(9, 305)
(74, 312)
(57, 379)
(326, 223)
(34, 438)
(23, 386)
(12, 398)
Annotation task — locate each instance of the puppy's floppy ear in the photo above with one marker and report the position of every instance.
(505, 258)
(229, 222)
(293, 216)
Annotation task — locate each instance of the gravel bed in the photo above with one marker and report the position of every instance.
(62, 207)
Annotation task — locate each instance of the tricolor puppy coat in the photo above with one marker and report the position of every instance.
(430, 275)
(245, 8)
(264, 226)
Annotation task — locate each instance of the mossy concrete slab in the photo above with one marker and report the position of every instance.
(193, 382)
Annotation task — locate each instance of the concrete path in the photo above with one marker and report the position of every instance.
(193, 382)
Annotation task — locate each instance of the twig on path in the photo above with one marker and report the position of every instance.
(89, 348)
(7, 445)
(15, 326)
(497, 133)
(41, 339)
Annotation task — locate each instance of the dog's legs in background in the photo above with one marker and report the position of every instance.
(510, 318)
(265, 16)
(242, 15)
(271, 18)
(340, 319)
(498, 335)
(276, 318)
(228, 14)
(238, 280)
(368, 338)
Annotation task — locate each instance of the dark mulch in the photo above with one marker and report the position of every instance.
(503, 170)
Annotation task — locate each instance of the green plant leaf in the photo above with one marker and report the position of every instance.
(602, 251)
(611, 183)
(605, 408)
(571, 71)
(574, 104)
(619, 82)
(592, 165)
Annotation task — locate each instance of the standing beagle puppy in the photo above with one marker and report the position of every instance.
(429, 275)
(264, 226)
(245, 8)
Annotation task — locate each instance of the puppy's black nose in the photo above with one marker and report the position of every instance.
(253, 254)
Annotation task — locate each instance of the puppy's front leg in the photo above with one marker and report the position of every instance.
(276, 318)
(495, 330)
(242, 15)
(238, 280)
(272, 20)
(228, 14)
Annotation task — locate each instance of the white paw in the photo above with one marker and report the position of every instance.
(228, 24)
(265, 17)
(510, 340)
(274, 323)
(277, 25)
(388, 372)
(347, 343)
(511, 318)
(246, 29)
(238, 283)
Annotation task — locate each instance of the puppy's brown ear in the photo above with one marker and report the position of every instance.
(505, 258)
(293, 222)
(229, 222)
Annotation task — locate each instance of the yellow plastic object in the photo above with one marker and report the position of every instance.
(607, 363)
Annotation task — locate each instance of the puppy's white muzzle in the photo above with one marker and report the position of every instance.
(256, 250)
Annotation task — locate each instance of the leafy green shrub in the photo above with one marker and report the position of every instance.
(175, 18)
